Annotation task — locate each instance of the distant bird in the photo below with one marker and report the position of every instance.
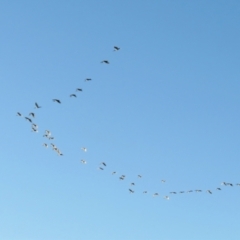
(35, 125)
(209, 191)
(167, 197)
(47, 132)
(101, 168)
(238, 184)
(198, 190)
(105, 61)
(30, 120)
(79, 89)
(50, 137)
(121, 178)
(19, 114)
(83, 161)
(84, 149)
(163, 181)
(53, 146)
(59, 152)
(218, 188)
(57, 100)
(34, 129)
(73, 95)
(140, 176)
(155, 194)
(131, 191)
(181, 192)
(224, 183)
(45, 145)
(88, 79)
(173, 193)
(114, 173)
(230, 184)
(190, 191)
(116, 48)
(133, 184)
(36, 105)
(104, 164)
(144, 192)
(32, 114)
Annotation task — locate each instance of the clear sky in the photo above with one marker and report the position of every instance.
(166, 107)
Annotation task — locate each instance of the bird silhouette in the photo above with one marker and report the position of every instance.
(30, 120)
(116, 48)
(57, 100)
(105, 61)
(37, 106)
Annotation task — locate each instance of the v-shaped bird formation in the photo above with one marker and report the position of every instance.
(103, 165)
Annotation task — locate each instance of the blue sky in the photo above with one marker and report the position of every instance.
(166, 107)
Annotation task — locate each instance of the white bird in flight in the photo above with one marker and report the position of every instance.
(84, 149)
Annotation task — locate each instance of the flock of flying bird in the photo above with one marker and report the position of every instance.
(48, 135)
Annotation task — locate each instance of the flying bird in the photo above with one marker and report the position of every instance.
(73, 95)
(224, 183)
(83, 161)
(34, 129)
(53, 146)
(209, 191)
(105, 61)
(144, 192)
(30, 120)
(116, 48)
(19, 114)
(163, 181)
(32, 114)
(104, 164)
(37, 106)
(133, 184)
(84, 149)
(139, 176)
(88, 79)
(131, 191)
(219, 189)
(167, 197)
(35, 125)
(114, 173)
(57, 100)
(101, 168)
(79, 89)
(45, 145)
(155, 194)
